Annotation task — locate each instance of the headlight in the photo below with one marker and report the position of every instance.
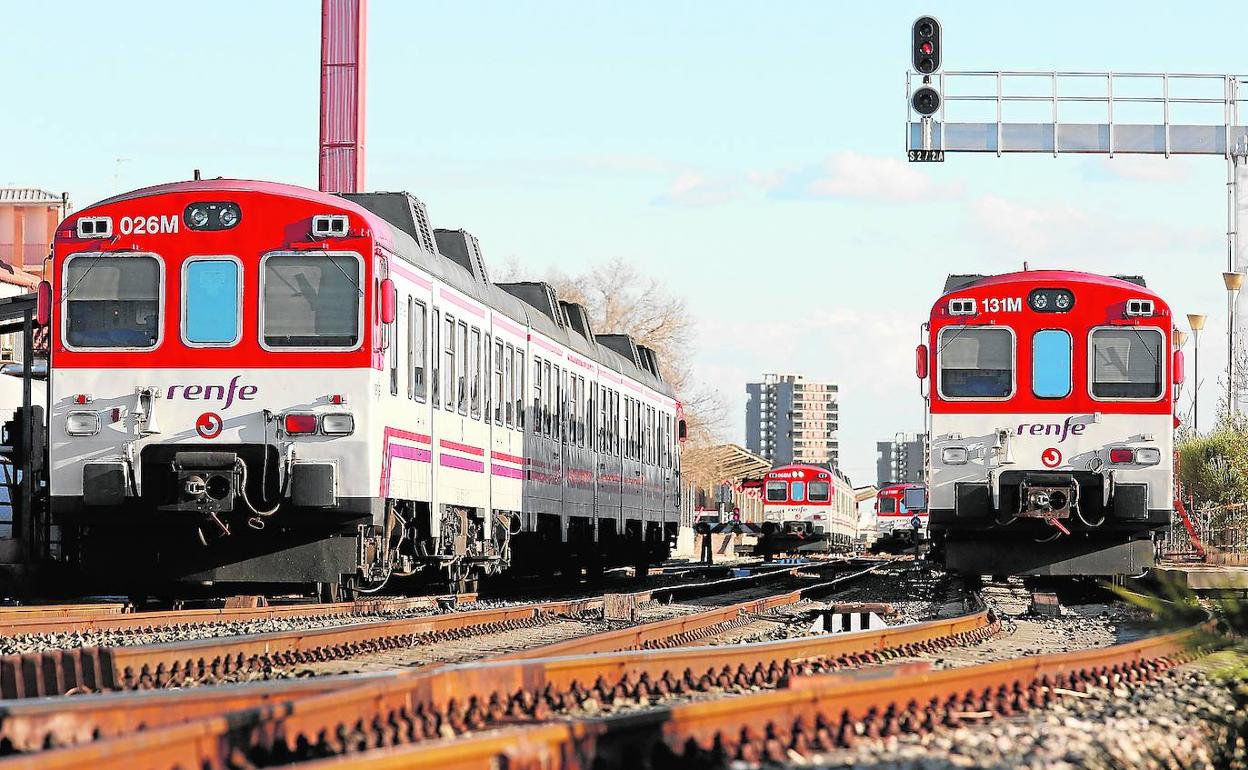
(954, 455)
(212, 215)
(337, 424)
(82, 423)
(1148, 456)
(197, 216)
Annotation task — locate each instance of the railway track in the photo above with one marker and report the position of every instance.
(33, 724)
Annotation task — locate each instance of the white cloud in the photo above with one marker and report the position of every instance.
(1140, 168)
(695, 189)
(854, 176)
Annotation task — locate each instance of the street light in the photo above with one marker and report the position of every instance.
(1197, 322)
(1234, 281)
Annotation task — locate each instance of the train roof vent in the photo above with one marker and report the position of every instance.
(622, 344)
(1138, 280)
(649, 360)
(956, 282)
(539, 295)
(401, 209)
(462, 248)
(578, 319)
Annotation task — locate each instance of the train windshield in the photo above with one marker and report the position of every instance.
(818, 491)
(311, 301)
(777, 491)
(1126, 363)
(112, 301)
(888, 505)
(976, 362)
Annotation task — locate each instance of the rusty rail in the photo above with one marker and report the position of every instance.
(422, 707)
(29, 725)
(813, 714)
(56, 619)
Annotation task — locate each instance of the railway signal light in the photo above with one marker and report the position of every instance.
(925, 100)
(925, 45)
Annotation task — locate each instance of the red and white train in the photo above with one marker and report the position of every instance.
(808, 506)
(255, 382)
(898, 508)
(1051, 415)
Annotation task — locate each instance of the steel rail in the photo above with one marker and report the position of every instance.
(27, 725)
(812, 714)
(422, 706)
(55, 619)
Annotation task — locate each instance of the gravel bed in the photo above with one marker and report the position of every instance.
(1177, 722)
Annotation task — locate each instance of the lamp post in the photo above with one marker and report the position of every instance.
(1234, 281)
(1197, 322)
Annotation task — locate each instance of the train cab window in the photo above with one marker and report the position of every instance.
(777, 491)
(112, 301)
(1126, 363)
(417, 384)
(888, 505)
(798, 491)
(435, 354)
(211, 302)
(311, 301)
(464, 363)
(1050, 363)
(502, 373)
(819, 491)
(976, 362)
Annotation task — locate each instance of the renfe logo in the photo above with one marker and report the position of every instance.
(1062, 430)
(215, 392)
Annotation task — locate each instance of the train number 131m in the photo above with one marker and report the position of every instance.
(1003, 305)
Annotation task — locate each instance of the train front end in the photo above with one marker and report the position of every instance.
(211, 351)
(1051, 412)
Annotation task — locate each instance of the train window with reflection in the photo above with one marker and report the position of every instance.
(1050, 363)
(777, 491)
(819, 491)
(211, 302)
(888, 505)
(1126, 363)
(112, 301)
(311, 301)
(976, 362)
(799, 491)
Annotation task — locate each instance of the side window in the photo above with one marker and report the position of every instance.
(435, 356)
(393, 338)
(777, 491)
(547, 398)
(112, 302)
(517, 371)
(976, 362)
(537, 395)
(462, 392)
(502, 372)
(448, 363)
(474, 374)
(211, 307)
(1050, 363)
(416, 350)
(1126, 362)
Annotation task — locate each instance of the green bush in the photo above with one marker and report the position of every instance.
(1214, 468)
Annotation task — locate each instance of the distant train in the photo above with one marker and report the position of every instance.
(259, 383)
(900, 517)
(1051, 401)
(808, 507)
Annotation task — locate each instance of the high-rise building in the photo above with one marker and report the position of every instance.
(789, 419)
(902, 460)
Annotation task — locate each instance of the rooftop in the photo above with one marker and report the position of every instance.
(28, 195)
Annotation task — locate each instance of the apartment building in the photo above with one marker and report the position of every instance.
(789, 419)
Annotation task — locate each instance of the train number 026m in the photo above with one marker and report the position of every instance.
(148, 225)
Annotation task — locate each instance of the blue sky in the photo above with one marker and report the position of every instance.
(749, 153)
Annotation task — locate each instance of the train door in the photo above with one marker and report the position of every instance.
(631, 481)
(609, 468)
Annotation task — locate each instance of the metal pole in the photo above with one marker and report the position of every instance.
(1196, 383)
(1230, 353)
